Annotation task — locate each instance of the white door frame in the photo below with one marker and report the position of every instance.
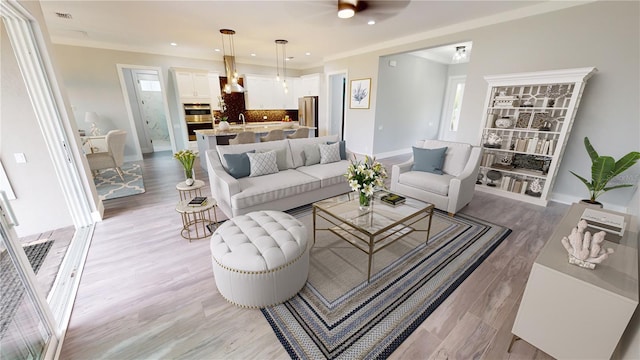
(127, 104)
(329, 105)
(63, 144)
(449, 97)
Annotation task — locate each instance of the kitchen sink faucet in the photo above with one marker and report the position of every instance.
(241, 117)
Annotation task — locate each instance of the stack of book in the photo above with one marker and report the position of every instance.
(535, 145)
(506, 101)
(514, 184)
(198, 201)
(393, 199)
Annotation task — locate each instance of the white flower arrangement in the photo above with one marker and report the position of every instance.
(365, 176)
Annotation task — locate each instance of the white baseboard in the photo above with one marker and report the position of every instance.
(393, 153)
(568, 199)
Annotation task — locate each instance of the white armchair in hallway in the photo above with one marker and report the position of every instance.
(449, 186)
(113, 158)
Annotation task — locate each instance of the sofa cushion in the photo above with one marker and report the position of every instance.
(429, 160)
(263, 163)
(456, 156)
(281, 158)
(263, 189)
(258, 147)
(297, 147)
(311, 154)
(238, 165)
(329, 153)
(329, 174)
(433, 183)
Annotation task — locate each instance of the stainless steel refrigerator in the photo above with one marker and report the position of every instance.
(308, 112)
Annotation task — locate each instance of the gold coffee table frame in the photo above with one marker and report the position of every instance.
(371, 230)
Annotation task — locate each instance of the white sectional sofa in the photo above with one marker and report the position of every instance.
(294, 184)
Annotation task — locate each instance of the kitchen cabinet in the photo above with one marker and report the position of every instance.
(197, 86)
(307, 85)
(265, 93)
(527, 121)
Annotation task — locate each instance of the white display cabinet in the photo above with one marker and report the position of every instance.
(527, 120)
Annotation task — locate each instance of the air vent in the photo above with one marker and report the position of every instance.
(64, 15)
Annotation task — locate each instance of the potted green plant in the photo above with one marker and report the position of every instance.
(603, 169)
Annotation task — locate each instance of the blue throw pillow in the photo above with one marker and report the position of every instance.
(343, 149)
(238, 165)
(428, 160)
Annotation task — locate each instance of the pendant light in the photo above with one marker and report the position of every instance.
(282, 44)
(346, 10)
(230, 63)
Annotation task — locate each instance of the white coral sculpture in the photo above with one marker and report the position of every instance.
(584, 249)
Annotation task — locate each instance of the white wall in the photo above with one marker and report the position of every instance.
(600, 34)
(410, 96)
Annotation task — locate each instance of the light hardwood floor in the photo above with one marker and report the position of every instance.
(146, 293)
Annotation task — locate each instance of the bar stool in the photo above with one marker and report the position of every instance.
(302, 132)
(273, 135)
(244, 137)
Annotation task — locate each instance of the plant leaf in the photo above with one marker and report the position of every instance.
(626, 162)
(587, 183)
(616, 187)
(593, 154)
(601, 170)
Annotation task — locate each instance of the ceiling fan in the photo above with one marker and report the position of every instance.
(349, 8)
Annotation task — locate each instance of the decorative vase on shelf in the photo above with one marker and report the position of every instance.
(504, 122)
(365, 201)
(190, 177)
(223, 125)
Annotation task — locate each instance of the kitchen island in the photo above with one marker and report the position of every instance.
(209, 138)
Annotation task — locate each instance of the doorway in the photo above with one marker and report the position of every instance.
(337, 87)
(451, 109)
(146, 103)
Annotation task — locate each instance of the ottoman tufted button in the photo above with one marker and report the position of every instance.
(261, 258)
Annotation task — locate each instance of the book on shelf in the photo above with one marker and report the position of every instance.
(198, 201)
(393, 199)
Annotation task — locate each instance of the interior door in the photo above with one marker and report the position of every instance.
(26, 323)
(337, 100)
(155, 134)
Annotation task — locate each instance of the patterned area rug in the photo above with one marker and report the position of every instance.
(11, 286)
(110, 186)
(337, 315)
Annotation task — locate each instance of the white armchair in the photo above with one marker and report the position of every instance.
(113, 157)
(450, 191)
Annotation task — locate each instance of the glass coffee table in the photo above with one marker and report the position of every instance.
(376, 228)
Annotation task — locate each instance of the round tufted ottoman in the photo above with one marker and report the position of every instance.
(260, 259)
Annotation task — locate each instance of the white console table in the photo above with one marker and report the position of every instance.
(571, 312)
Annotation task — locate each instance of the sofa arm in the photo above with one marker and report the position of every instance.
(462, 187)
(223, 185)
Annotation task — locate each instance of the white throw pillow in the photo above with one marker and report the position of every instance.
(329, 153)
(263, 163)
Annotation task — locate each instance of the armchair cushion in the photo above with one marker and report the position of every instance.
(429, 160)
(427, 181)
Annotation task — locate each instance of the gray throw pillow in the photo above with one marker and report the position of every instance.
(238, 165)
(429, 160)
(343, 148)
(311, 154)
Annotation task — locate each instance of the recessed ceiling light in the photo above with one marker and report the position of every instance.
(216, 50)
(289, 58)
(64, 15)
(253, 54)
(307, 53)
(174, 44)
(371, 22)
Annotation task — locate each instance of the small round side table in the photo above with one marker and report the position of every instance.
(196, 220)
(189, 192)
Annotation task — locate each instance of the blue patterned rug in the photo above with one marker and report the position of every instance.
(337, 315)
(110, 186)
